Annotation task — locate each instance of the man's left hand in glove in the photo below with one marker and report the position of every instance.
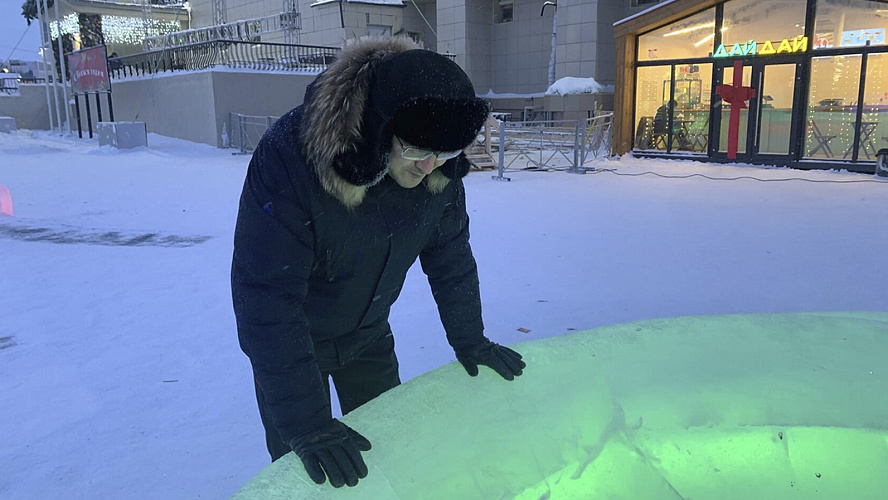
(503, 360)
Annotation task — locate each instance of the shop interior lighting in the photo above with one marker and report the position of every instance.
(691, 28)
(704, 40)
(709, 37)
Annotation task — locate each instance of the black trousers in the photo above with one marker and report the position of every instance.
(363, 377)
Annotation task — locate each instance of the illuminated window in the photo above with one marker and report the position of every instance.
(763, 20)
(874, 125)
(832, 106)
(690, 37)
(850, 23)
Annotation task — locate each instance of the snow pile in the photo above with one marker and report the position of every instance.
(573, 85)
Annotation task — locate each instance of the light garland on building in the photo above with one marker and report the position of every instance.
(131, 30)
(68, 24)
(117, 29)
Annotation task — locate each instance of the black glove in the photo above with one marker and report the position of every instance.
(503, 360)
(332, 450)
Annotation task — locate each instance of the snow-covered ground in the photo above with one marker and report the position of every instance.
(120, 372)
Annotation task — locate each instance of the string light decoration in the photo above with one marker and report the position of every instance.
(834, 84)
(68, 26)
(116, 29)
(131, 30)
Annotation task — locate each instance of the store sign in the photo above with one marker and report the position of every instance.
(89, 71)
(860, 38)
(753, 48)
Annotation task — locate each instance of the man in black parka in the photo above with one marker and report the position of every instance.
(342, 195)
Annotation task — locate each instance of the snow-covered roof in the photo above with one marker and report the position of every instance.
(645, 11)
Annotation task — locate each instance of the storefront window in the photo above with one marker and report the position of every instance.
(690, 119)
(874, 125)
(832, 107)
(690, 37)
(763, 21)
(653, 88)
(850, 23)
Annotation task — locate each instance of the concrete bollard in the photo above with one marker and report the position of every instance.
(122, 135)
(7, 124)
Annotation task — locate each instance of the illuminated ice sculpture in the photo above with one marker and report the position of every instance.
(714, 407)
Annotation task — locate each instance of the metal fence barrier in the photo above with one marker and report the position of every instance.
(231, 53)
(244, 131)
(563, 145)
(560, 145)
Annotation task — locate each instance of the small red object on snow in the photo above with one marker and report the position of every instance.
(5, 201)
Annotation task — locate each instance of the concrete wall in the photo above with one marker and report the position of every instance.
(175, 105)
(29, 108)
(269, 95)
(194, 106)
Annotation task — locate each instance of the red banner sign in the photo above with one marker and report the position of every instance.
(89, 70)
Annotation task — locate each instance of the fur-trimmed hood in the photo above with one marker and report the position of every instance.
(345, 133)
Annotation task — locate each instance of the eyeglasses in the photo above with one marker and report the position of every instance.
(416, 154)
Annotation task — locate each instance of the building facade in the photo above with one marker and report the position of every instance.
(504, 45)
(818, 70)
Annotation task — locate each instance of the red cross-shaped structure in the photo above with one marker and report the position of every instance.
(736, 95)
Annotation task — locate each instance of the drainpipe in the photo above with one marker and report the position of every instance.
(554, 4)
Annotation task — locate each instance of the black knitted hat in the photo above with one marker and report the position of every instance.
(428, 101)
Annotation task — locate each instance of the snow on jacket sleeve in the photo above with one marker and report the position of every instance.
(453, 274)
(273, 253)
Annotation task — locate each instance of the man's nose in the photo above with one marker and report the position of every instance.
(427, 165)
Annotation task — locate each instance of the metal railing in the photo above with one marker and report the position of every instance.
(231, 53)
(9, 84)
(247, 30)
(244, 131)
(559, 145)
(152, 3)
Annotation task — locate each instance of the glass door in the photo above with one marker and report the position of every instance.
(728, 79)
(776, 91)
(769, 123)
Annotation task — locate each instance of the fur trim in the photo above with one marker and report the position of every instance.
(436, 181)
(333, 115)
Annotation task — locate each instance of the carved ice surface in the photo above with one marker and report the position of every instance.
(716, 407)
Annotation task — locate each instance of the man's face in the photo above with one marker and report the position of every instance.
(409, 173)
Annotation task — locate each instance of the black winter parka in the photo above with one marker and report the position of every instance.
(309, 267)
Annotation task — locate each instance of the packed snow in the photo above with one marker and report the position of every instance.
(574, 85)
(120, 369)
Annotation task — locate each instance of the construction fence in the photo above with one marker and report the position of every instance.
(547, 145)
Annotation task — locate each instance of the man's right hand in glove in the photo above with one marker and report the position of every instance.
(332, 451)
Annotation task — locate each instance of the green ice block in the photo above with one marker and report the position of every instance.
(714, 407)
